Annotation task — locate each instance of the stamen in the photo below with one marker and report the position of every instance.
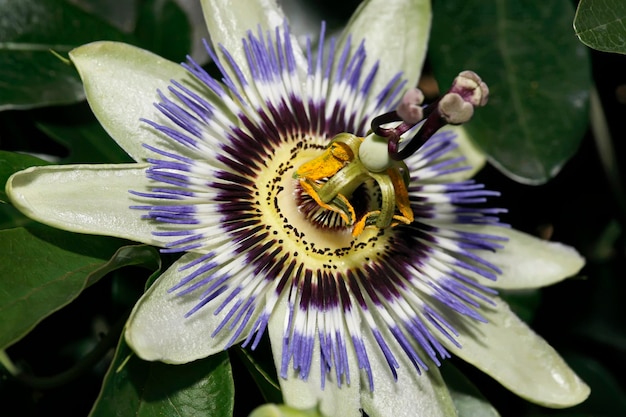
(454, 110)
(470, 86)
(410, 108)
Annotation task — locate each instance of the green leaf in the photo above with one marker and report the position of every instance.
(11, 162)
(119, 13)
(133, 387)
(603, 320)
(30, 75)
(601, 24)
(11, 217)
(524, 303)
(264, 374)
(49, 268)
(87, 141)
(163, 28)
(538, 76)
(468, 401)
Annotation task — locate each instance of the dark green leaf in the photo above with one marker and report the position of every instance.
(601, 24)
(48, 268)
(11, 162)
(604, 321)
(36, 78)
(163, 28)
(538, 76)
(87, 141)
(119, 13)
(524, 303)
(134, 387)
(265, 378)
(30, 75)
(10, 217)
(468, 401)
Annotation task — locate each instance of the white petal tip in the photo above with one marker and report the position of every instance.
(577, 393)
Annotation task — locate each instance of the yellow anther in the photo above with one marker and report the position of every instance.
(335, 157)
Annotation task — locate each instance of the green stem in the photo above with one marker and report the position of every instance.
(604, 144)
(85, 364)
(6, 361)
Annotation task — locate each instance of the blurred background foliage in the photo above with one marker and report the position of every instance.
(553, 134)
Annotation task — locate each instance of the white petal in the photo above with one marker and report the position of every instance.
(273, 410)
(413, 395)
(157, 329)
(529, 262)
(510, 352)
(396, 34)
(121, 83)
(333, 401)
(91, 199)
(229, 24)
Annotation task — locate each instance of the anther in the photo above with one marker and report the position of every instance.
(454, 110)
(471, 88)
(410, 108)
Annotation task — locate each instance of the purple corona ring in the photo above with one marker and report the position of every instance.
(340, 243)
